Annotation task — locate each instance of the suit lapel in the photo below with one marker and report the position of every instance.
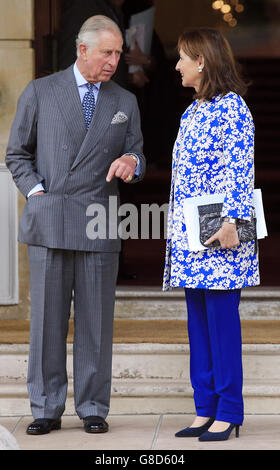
(103, 115)
(67, 95)
(69, 102)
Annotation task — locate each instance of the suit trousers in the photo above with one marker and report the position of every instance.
(55, 276)
(216, 353)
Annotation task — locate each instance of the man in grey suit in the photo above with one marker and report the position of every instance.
(75, 134)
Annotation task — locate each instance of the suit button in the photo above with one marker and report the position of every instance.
(65, 147)
(105, 150)
(66, 196)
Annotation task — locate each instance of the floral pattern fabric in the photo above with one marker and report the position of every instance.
(213, 153)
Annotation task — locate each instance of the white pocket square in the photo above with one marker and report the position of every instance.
(119, 118)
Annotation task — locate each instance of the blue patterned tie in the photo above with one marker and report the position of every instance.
(88, 104)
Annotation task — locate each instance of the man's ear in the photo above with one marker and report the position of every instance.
(83, 50)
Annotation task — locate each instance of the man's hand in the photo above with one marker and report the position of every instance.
(38, 193)
(227, 236)
(123, 168)
(137, 57)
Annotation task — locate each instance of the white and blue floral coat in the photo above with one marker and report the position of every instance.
(213, 153)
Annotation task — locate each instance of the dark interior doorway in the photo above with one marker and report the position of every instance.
(143, 260)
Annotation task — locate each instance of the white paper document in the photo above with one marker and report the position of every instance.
(141, 28)
(191, 215)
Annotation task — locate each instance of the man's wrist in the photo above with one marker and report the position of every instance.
(38, 188)
(134, 158)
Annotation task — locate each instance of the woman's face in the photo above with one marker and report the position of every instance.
(188, 68)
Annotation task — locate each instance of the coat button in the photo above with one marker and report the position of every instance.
(65, 147)
(66, 196)
(105, 150)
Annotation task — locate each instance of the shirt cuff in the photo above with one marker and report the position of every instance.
(38, 187)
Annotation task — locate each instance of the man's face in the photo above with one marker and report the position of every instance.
(100, 63)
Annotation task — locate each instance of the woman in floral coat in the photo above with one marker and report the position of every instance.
(213, 153)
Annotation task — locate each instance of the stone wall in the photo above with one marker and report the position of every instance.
(17, 69)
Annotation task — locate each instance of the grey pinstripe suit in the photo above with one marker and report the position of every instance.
(49, 144)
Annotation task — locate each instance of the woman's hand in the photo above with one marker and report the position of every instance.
(227, 236)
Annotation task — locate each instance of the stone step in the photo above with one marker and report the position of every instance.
(148, 361)
(148, 397)
(149, 378)
(156, 330)
(151, 302)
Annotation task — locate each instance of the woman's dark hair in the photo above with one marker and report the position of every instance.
(221, 72)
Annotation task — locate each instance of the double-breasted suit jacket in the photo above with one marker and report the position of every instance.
(213, 153)
(49, 143)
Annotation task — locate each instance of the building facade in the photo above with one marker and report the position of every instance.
(23, 26)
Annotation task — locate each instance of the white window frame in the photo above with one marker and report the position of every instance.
(9, 295)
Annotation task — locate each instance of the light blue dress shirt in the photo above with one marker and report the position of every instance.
(82, 88)
(82, 84)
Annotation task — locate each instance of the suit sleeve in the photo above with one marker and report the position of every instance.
(238, 154)
(134, 140)
(21, 149)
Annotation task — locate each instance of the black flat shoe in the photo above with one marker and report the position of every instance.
(195, 431)
(219, 436)
(43, 426)
(95, 424)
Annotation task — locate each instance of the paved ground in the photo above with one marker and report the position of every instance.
(144, 432)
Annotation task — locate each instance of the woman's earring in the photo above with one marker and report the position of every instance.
(200, 68)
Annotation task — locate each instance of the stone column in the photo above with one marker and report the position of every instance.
(17, 69)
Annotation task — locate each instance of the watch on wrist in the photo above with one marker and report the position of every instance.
(134, 158)
(230, 220)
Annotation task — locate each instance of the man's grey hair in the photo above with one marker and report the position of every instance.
(92, 27)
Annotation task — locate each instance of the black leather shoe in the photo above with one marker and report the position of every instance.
(95, 424)
(43, 426)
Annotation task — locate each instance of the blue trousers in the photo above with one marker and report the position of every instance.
(216, 353)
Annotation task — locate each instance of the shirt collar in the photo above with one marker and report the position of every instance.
(80, 79)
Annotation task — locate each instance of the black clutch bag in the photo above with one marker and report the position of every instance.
(210, 221)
